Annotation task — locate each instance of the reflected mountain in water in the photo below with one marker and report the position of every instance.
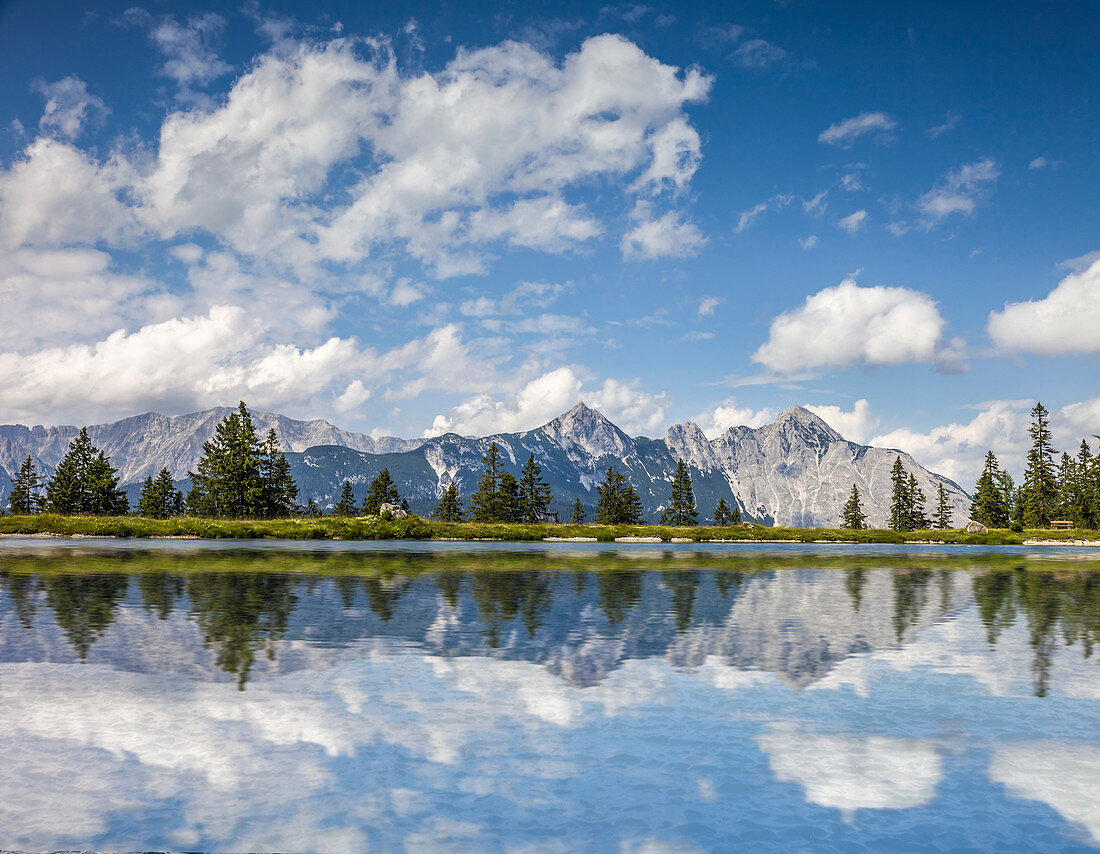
(224, 617)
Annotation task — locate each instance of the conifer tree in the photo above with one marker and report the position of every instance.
(159, 498)
(991, 503)
(681, 510)
(900, 507)
(618, 502)
(228, 482)
(382, 490)
(578, 513)
(278, 491)
(918, 518)
(485, 502)
(534, 493)
(1039, 492)
(26, 490)
(944, 515)
(508, 498)
(726, 515)
(312, 511)
(85, 482)
(1088, 477)
(852, 516)
(346, 505)
(449, 508)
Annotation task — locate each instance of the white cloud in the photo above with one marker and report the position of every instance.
(950, 122)
(667, 236)
(547, 396)
(708, 304)
(1038, 163)
(817, 204)
(757, 54)
(698, 335)
(1066, 321)
(959, 191)
(808, 242)
(69, 105)
(850, 772)
(844, 133)
(851, 182)
(54, 194)
(188, 48)
(715, 422)
(849, 325)
(747, 217)
(857, 425)
(405, 293)
(853, 222)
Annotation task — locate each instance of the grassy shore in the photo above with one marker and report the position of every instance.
(416, 528)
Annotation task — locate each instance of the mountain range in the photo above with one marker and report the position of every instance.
(796, 471)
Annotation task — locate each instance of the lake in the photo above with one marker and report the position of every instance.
(208, 696)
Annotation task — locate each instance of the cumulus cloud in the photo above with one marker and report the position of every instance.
(547, 396)
(189, 49)
(714, 422)
(853, 222)
(856, 425)
(849, 325)
(958, 449)
(808, 242)
(69, 105)
(666, 236)
(1066, 321)
(1038, 163)
(844, 133)
(959, 191)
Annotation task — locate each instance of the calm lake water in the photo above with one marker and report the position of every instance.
(467, 697)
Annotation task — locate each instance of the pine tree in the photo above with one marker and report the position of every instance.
(992, 495)
(278, 491)
(918, 518)
(382, 490)
(681, 511)
(631, 506)
(609, 506)
(900, 508)
(346, 505)
(534, 493)
(944, 512)
(228, 482)
(312, 511)
(485, 502)
(508, 498)
(578, 513)
(159, 498)
(449, 508)
(852, 516)
(722, 514)
(1088, 491)
(26, 490)
(1039, 492)
(85, 482)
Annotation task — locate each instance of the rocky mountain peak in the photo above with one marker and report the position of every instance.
(588, 430)
(799, 421)
(688, 441)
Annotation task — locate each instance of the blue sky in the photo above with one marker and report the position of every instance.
(465, 217)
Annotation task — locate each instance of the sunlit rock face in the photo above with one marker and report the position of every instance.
(796, 471)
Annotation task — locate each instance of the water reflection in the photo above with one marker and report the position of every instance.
(492, 702)
(243, 614)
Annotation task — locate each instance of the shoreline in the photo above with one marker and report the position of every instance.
(417, 529)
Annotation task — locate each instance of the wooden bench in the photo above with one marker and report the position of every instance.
(1061, 524)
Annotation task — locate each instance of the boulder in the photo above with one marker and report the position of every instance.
(394, 510)
(973, 527)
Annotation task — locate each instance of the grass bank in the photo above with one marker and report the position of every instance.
(416, 528)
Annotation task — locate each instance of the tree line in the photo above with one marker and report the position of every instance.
(1065, 490)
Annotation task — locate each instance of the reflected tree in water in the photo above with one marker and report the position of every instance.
(239, 614)
(682, 584)
(854, 582)
(383, 594)
(910, 597)
(501, 596)
(84, 606)
(160, 592)
(619, 592)
(21, 589)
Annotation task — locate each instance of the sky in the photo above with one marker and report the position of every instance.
(419, 218)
